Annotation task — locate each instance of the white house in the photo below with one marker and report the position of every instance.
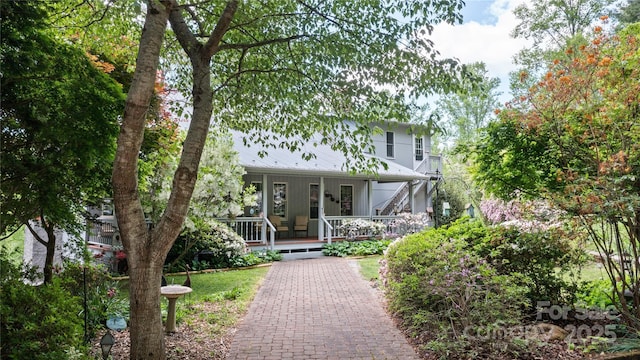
(320, 190)
(324, 194)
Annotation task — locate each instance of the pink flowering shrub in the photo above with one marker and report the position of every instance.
(441, 289)
(526, 216)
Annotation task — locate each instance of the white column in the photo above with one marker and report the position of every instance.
(412, 199)
(370, 197)
(265, 208)
(321, 210)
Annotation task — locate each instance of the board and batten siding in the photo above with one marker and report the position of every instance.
(297, 197)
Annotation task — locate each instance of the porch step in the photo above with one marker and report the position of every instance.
(300, 250)
(291, 247)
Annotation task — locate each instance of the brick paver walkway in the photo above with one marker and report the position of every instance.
(317, 309)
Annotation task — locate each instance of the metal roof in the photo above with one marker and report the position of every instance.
(327, 163)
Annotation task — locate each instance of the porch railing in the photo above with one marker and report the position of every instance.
(328, 229)
(102, 233)
(252, 229)
(257, 230)
(394, 226)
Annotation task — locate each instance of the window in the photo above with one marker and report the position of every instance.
(346, 200)
(390, 143)
(314, 197)
(257, 208)
(107, 207)
(280, 199)
(419, 149)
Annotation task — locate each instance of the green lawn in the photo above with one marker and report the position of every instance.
(14, 245)
(369, 267)
(213, 285)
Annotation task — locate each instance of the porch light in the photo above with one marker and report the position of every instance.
(106, 343)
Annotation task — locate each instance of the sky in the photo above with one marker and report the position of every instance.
(484, 36)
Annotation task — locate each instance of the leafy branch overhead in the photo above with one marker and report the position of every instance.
(306, 66)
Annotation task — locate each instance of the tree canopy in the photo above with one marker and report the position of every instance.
(468, 110)
(575, 139)
(552, 26)
(59, 123)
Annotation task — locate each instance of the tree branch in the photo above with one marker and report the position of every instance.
(212, 45)
(260, 43)
(184, 35)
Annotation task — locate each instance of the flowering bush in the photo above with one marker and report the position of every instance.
(442, 291)
(205, 244)
(526, 216)
(530, 239)
(351, 229)
(408, 223)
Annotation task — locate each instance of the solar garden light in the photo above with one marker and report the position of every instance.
(106, 343)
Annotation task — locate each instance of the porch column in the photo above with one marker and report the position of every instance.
(370, 197)
(265, 207)
(321, 210)
(412, 199)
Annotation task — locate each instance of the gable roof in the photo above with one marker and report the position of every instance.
(327, 163)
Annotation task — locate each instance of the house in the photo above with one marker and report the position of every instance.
(324, 194)
(319, 191)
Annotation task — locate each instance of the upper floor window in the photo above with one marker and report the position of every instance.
(390, 144)
(419, 149)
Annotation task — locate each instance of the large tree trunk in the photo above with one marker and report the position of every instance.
(145, 261)
(147, 249)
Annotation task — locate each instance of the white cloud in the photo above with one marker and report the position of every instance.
(488, 42)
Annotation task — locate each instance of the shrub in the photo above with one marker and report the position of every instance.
(205, 244)
(103, 301)
(596, 294)
(407, 223)
(441, 290)
(351, 229)
(37, 322)
(544, 258)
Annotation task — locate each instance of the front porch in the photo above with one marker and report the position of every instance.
(260, 233)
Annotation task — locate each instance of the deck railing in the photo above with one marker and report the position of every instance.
(102, 233)
(394, 225)
(258, 230)
(252, 229)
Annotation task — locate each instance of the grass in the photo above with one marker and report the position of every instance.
(218, 299)
(14, 246)
(369, 267)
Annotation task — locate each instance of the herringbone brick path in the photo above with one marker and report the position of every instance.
(317, 309)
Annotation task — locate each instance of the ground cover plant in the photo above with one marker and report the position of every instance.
(355, 248)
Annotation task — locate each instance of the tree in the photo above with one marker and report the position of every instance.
(551, 25)
(467, 111)
(295, 68)
(59, 124)
(575, 137)
(630, 13)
